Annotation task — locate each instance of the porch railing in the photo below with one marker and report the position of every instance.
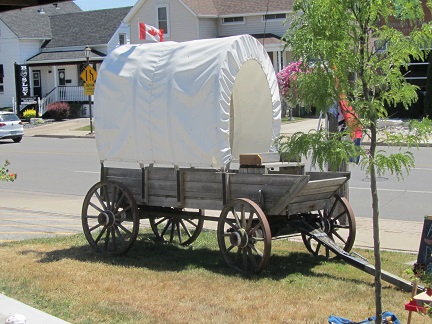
(62, 93)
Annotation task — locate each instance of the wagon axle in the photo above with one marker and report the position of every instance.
(239, 238)
(106, 218)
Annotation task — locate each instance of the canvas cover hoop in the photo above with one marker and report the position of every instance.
(191, 104)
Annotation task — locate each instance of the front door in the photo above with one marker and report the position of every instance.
(62, 83)
(37, 86)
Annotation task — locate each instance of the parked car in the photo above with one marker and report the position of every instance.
(11, 126)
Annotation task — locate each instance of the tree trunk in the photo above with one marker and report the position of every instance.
(376, 228)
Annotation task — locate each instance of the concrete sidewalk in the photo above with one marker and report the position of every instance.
(395, 235)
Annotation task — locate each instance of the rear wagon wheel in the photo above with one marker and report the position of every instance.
(338, 222)
(110, 218)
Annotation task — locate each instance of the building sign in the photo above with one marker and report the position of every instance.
(22, 83)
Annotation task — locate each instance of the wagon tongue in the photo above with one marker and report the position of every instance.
(354, 259)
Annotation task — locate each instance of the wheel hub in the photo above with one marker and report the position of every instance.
(239, 238)
(106, 218)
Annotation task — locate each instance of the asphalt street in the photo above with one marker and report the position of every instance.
(60, 164)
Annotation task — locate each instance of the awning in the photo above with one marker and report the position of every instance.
(269, 39)
(61, 57)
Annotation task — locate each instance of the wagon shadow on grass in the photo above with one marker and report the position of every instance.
(149, 254)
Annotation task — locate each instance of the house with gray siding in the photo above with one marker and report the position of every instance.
(184, 20)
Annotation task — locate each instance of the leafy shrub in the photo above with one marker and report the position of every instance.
(58, 110)
(29, 113)
(74, 111)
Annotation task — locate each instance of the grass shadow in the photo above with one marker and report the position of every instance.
(156, 256)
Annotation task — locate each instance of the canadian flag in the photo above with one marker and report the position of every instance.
(148, 32)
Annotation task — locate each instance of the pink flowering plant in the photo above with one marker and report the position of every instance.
(4, 173)
(287, 81)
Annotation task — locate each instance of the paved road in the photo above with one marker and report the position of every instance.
(55, 173)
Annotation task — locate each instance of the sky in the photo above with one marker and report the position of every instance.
(103, 4)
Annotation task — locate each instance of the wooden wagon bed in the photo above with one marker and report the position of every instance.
(207, 189)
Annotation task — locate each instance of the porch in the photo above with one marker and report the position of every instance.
(63, 93)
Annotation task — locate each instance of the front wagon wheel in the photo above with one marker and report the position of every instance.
(110, 218)
(244, 236)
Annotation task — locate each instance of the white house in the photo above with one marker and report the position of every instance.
(42, 51)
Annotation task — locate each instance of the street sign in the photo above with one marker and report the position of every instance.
(89, 74)
(89, 89)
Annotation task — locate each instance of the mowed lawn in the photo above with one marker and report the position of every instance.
(162, 283)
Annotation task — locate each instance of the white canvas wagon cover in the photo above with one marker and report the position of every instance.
(192, 104)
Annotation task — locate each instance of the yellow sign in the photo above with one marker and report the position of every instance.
(89, 89)
(89, 74)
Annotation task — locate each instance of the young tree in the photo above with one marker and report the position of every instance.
(335, 41)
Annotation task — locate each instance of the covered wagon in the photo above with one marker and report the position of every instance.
(186, 127)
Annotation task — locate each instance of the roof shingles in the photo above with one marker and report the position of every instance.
(30, 23)
(237, 7)
(86, 28)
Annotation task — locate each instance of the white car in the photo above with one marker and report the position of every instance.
(11, 126)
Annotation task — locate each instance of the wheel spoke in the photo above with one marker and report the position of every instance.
(185, 228)
(173, 225)
(94, 227)
(107, 199)
(190, 222)
(343, 213)
(252, 258)
(243, 216)
(335, 233)
(230, 248)
(119, 234)
(107, 239)
(96, 207)
(249, 222)
(124, 210)
(237, 220)
(100, 200)
(114, 241)
(90, 217)
(124, 229)
(111, 206)
(118, 203)
(166, 227)
(256, 227)
(338, 226)
(258, 252)
(100, 235)
(161, 221)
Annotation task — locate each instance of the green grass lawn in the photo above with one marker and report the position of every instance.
(162, 283)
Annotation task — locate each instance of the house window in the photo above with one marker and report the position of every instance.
(233, 20)
(1, 79)
(162, 18)
(281, 16)
(122, 39)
